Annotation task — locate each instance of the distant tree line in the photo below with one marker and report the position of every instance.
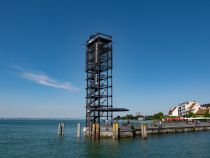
(157, 116)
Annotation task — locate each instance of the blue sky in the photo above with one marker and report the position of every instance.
(161, 54)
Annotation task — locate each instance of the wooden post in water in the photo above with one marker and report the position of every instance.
(117, 131)
(93, 130)
(61, 129)
(133, 131)
(90, 131)
(97, 131)
(114, 131)
(78, 130)
(143, 131)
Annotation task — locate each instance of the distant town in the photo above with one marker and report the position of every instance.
(188, 109)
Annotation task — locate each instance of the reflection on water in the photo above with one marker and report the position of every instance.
(102, 147)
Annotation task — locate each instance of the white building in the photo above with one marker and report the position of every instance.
(184, 108)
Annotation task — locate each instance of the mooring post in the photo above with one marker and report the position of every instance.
(93, 131)
(61, 129)
(59, 126)
(141, 127)
(117, 131)
(97, 131)
(133, 131)
(78, 130)
(114, 131)
(143, 131)
(90, 131)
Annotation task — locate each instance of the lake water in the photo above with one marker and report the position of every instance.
(39, 139)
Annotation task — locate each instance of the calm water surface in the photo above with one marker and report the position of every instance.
(38, 138)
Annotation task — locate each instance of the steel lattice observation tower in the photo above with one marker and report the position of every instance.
(99, 104)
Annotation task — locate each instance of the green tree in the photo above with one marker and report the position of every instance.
(129, 116)
(206, 114)
(158, 116)
(190, 114)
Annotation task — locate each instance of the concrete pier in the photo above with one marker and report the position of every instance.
(117, 132)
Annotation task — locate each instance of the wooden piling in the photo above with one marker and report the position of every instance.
(93, 131)
(133, 131)
(113, 131)
(61, 129)
(143, 131)
(116, 131)
(90, 131)
(78, 130)
(97, 131)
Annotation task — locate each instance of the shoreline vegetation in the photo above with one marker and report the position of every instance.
(159, 116)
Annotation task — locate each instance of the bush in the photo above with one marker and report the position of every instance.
(190, 114)
(158, 116)
(206, 114)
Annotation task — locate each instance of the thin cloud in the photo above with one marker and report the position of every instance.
(42, 78)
